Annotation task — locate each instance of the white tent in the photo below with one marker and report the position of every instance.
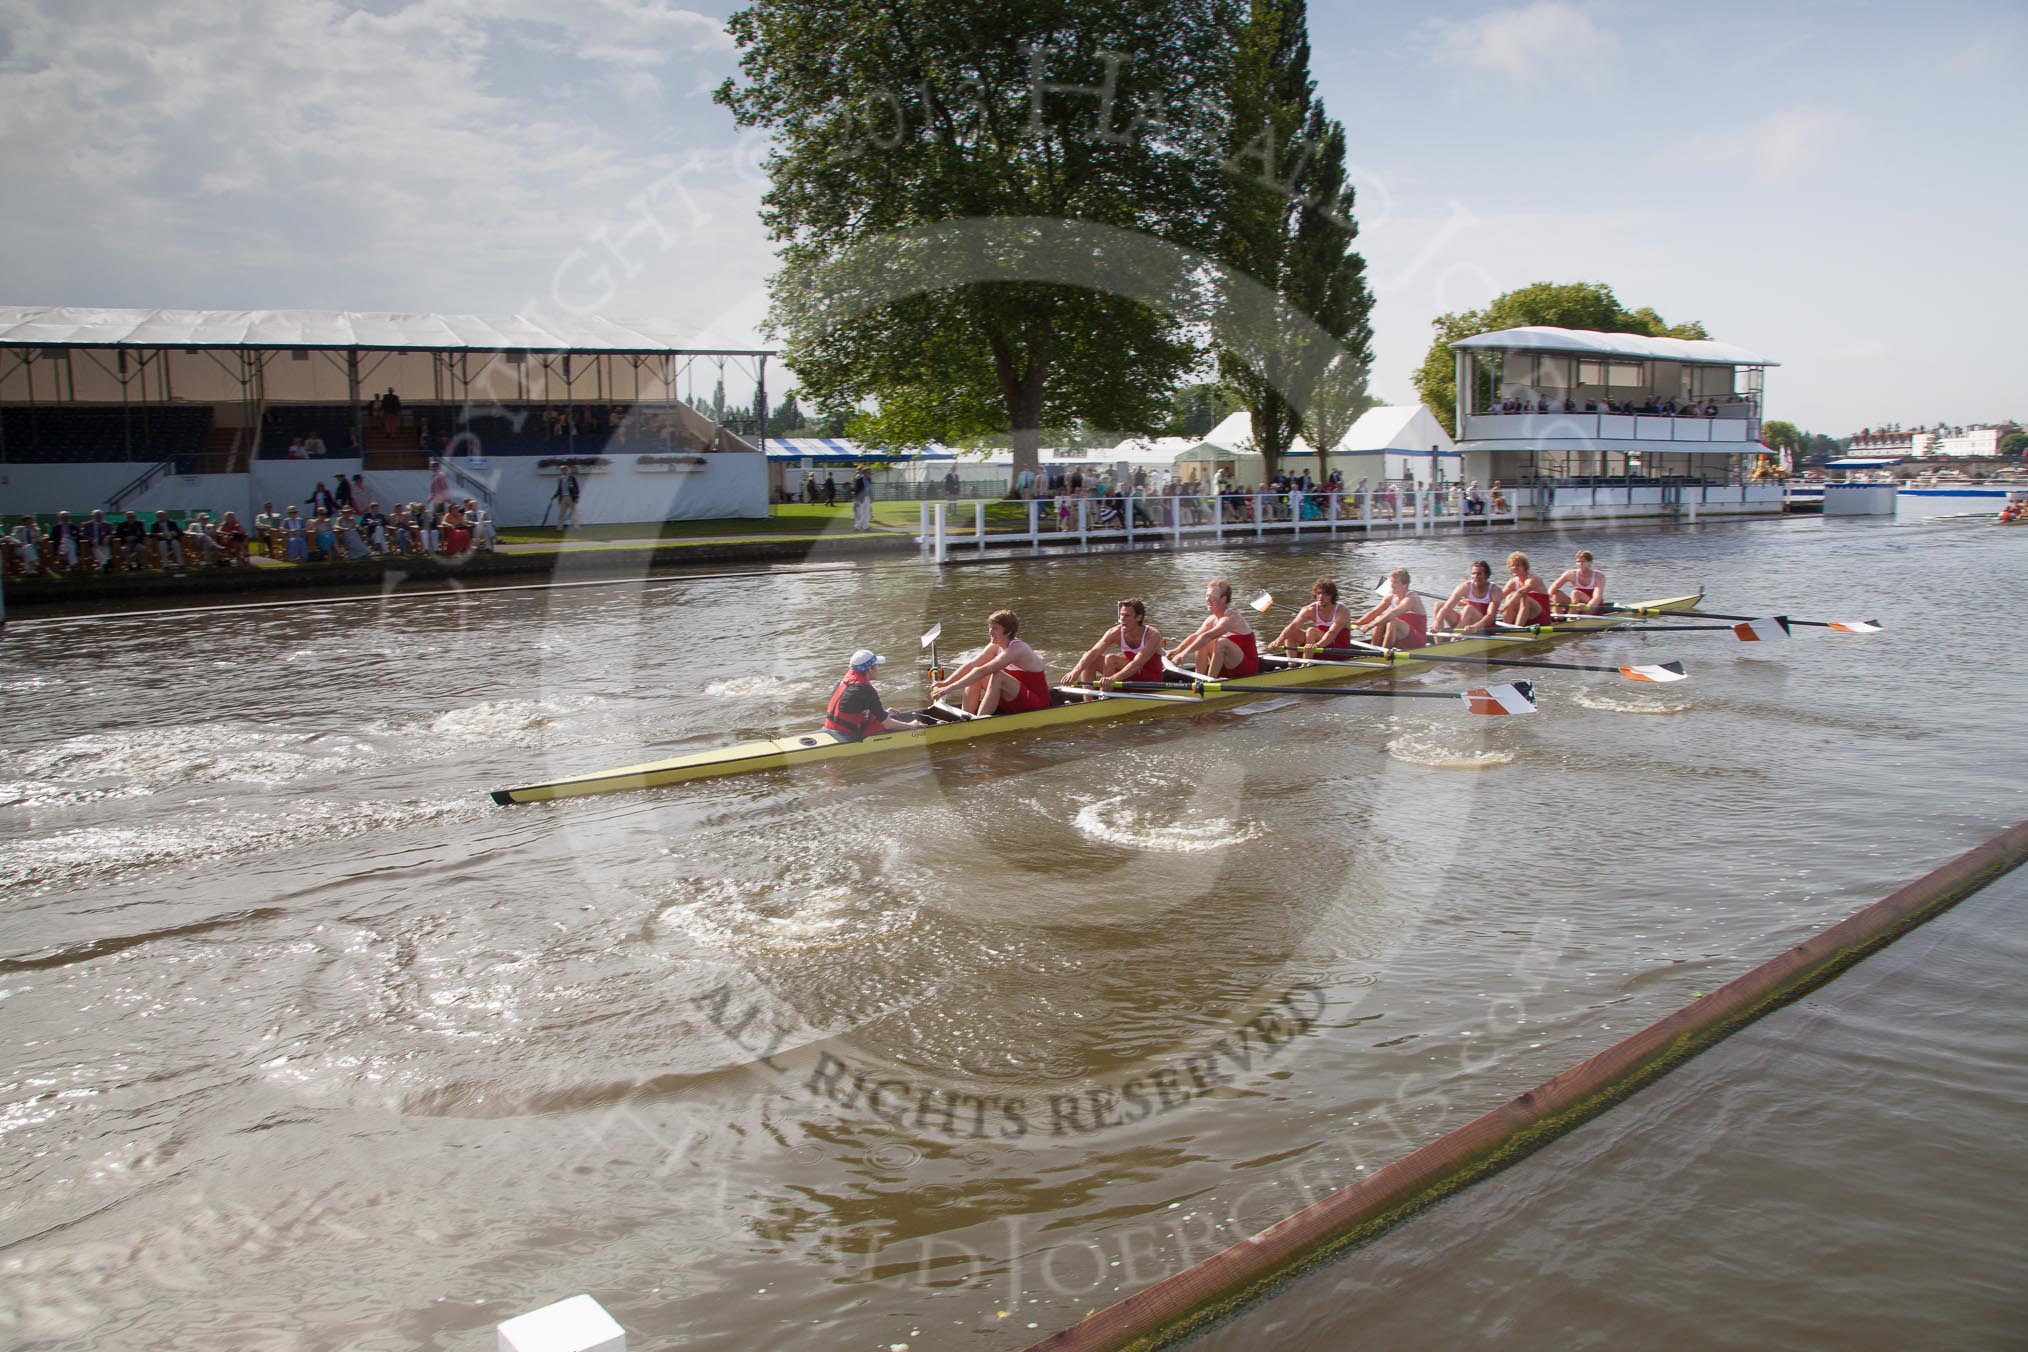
(1387, 442)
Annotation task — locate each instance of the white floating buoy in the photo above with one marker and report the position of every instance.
(579, 1324)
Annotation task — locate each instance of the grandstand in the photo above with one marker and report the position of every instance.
(124, 407)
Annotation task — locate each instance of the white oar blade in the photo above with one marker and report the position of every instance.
(935, 631)
(1659, 672)
(1515, 698)
(1264, 602)
(1772, 630)
(1855, 626)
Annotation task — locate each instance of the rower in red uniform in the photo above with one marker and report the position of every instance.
(1579, 590)
(1005, 678)
(855, 710)
(1524, 600)
(1225, 643)
(1139, 650)
(1400, 620)
(1471, 607)
(1324, 623)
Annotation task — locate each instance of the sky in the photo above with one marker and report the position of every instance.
(1838, 186)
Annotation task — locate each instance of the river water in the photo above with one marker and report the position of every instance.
(313, 1047)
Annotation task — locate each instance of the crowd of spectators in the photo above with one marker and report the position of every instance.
(96, 544)
(1651, 406)
(1163, 499)
(333, 531)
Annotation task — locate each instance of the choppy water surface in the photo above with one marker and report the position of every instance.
(313, 1047)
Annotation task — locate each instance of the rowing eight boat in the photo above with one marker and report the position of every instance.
(1074, 706)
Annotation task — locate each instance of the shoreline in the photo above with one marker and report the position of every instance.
(86, 594)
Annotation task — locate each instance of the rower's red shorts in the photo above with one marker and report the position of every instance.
(1249, 657)
(1034, 692)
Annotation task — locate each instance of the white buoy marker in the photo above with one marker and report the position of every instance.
(579, 1324)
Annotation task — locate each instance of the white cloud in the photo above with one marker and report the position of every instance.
(445, 154)
(1780, 146)
(1532, 45)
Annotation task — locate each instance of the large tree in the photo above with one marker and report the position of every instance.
(1288, 227)
(896, 125)
(1572, 305)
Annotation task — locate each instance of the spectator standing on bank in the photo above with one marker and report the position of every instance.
(830, 490)
(862, 500)
(390, 411)
(341, 493)
(951, 486)
(568, 491)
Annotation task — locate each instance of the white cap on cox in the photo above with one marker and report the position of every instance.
(865, 658)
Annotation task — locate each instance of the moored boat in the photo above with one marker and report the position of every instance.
(1073, 706)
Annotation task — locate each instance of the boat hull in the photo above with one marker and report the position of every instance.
(818, 748)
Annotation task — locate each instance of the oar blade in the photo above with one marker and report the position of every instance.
(1661, 673)
(1855, 626)
(1774, 629)
(935, 632)
(1264, 602)
(1517, 697)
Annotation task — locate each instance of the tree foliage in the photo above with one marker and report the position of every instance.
(1196, 408)
(1777, 435)
(2014, 443)
(889, 119)
(1570, 305)
(1288, 226)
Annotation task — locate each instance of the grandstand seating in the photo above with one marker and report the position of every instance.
(77, 433)
(524, 430)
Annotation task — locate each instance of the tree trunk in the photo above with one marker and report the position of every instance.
(1021, 385)
(1024, 414)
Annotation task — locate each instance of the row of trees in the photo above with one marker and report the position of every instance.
(998, 218)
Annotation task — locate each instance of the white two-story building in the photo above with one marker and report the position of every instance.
(1584, 424)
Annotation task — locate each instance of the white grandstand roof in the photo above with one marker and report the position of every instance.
(1542, 338)
(68, 326)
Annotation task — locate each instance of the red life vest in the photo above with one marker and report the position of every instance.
(848, 724)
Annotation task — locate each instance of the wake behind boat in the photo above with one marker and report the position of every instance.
(1070, 706)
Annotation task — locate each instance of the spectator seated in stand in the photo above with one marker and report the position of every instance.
(24, 547)
(165, 540)
(231, 537)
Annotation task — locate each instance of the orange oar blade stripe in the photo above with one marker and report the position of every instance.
(1761, 631)
(1856, 626)
(1518, 698)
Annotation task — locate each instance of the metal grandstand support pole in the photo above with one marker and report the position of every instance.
(358, 409)
(126, 410)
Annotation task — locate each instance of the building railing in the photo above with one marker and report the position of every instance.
(1731, 426)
